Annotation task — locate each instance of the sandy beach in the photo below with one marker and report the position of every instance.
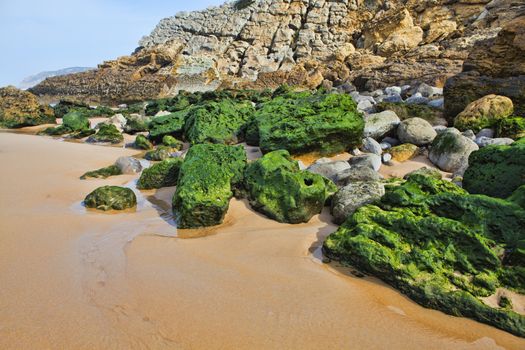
(77, 279)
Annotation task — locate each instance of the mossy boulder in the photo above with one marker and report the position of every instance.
(409, 110)
(162, 174)
(171, 124)
(484, 113)
(513, 127)
(496, 171)
(136, 123)
(102, 173)
(75, 121)
(218, 122)
(159, 153)
(208, 178)
(280, 190)
(170, 141)
(439, 245)
(142, 142)
(107, 133)
(20, 108)
(111, 198)
(305, 122)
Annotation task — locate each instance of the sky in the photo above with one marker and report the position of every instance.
(47, 35)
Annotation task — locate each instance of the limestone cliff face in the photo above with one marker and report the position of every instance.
(264, 43)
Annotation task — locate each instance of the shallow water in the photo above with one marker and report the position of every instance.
(77, 279)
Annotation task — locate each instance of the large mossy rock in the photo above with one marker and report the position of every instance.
(142, 142)
(279, 189)
(20, 108)
(304, 122)
(159, 153)
(484, 113)
(513, 127)
(442, 247)
(208, 178)
(107, 133)
(496, 170)
(162, 174)
(111, 198)
(218, 122)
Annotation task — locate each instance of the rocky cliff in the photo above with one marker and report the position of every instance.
(307, 43)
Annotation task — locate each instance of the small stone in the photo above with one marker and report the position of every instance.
(387, 157)
(416, 131)
(437, 103)
(392, 141)
(485, 133)
(486, 141)
(393, 90)
(385, 145)
(417, 98)
(392, 99)
(129, 165)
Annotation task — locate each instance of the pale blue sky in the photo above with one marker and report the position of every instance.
(42, 35)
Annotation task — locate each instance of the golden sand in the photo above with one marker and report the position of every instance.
(77, 279)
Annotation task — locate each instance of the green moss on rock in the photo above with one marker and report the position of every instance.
(107, 133)
(305, 122)
(442, 247)
(279, 189)
(170, 141)
(111, 198)
(75, 121)
(19, 108)
(496, 171)
(162, 174)
(218, 122)
(408, 110)
(142, 142)
(102, 173)
(518, 196)
(171, 124)
(208, 178)
(513, 127)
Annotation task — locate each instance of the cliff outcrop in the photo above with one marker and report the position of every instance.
(306, 43)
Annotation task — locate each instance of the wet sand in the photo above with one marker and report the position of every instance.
(77, 279)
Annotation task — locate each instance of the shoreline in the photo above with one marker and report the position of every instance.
(121, 280)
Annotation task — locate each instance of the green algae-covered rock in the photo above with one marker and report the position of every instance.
(518, 196)
(208, 178)
(442, 247)
(160, 153)
(484, 113)
(496, 170)
(107, 133)
(162, 174)
(136, 123)
(142, 142)
(279, 189)
(513, 127)
(171, 124)
(19, 108)
(55, 131)
(170, 141)
(64, 107)
(304, 122)
(111, 198)
(218, 122)
(102, 173)
(409, 110)
(75, 121)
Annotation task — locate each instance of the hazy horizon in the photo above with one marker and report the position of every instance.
(56, 34)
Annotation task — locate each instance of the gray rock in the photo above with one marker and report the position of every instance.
(129, 165)
(393, 90)
(372, 146)
(485, 133)
(416, 131)
(440, 128)
(369, 159)
(437, 103)
(346, 87)
(353, 196)
(355, 152)
(380, 124)
(392, 141)
(377, 93)
(470, 134)
(428, 91)
(328, 169)
(392, 98)
(487, 141)
(450, 151)
(301, 165)
(364, 106)
(417, 98)
(357, 173)
(387, 157)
